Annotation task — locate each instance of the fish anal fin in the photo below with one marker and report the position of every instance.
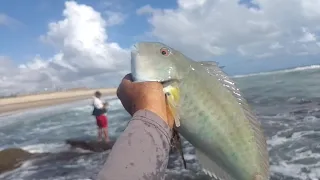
(210, 168)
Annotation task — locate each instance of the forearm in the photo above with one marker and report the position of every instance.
(141, 152)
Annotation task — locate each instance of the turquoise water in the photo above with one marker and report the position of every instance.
(286, 102)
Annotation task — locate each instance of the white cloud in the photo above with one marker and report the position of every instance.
(213, 27)
(3, 19)
(81, 40)
(6, 20)
(201, 28)
(275, 45)
(307, 36)
(114, 18)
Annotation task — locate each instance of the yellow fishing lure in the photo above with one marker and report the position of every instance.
(173, 98)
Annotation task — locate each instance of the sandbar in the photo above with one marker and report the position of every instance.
(8, 105)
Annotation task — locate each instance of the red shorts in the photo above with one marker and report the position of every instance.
(102, 121)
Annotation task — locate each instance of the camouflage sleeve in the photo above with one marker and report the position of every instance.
(142, 150)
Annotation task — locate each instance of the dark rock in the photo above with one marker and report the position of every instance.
(306, 161)
(305, 170)
(12, 158)
(95, 146)
(286, 134)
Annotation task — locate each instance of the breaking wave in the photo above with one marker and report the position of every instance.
(303, 68)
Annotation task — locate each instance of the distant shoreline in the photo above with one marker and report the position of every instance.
(12, 104)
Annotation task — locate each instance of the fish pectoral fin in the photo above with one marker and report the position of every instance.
(210, 168)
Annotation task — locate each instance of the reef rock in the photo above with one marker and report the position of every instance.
(91, 145)
(12, 158)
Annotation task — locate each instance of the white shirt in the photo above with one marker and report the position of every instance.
(97, 103)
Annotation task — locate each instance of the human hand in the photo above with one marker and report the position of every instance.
(105, 105)
(136, 96)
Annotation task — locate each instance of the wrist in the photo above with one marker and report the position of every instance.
(160, 111)
(161, 114)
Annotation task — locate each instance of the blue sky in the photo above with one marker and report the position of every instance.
(21, 41)
(245, 37)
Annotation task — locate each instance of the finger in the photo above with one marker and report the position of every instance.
(151, 86)
(125, 83)
(124, 94)
(128, 77)
(118, 92)
(127, 106)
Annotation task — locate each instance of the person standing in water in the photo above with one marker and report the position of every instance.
(100, 112)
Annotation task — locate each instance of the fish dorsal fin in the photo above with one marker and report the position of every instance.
(213, 69)
(211, 63)
(210, 168)
(260, 140)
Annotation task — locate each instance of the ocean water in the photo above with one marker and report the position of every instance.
(287, 104)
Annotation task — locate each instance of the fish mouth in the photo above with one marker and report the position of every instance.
(134, 54)
(169, 82)
(163, 82)
(135, 49)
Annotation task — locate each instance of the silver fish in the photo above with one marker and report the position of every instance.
(209, 111)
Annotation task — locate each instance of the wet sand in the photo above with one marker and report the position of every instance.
(19, 103)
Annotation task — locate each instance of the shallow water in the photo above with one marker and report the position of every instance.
(287, 104)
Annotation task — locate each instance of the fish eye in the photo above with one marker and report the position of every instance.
(165, 51)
